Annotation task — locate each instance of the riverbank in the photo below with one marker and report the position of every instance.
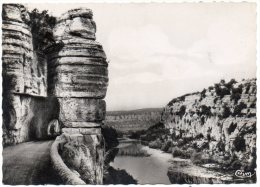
(183, 171)
(162, 168)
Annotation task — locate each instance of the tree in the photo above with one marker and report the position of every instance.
(221, 92)
(42, 25)
(203, 94)
(205, 110)
(110, 136)
(182, 111)
(230, 84)
(236, 93)
(226, 112)
(238, 108)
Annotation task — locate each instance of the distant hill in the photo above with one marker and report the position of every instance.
(133, 120)
(136, 111)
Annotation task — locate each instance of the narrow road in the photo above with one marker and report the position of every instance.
(28, 163)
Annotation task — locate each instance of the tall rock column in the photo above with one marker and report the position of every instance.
(78, 77)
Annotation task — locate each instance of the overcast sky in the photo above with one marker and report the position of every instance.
(161, 51)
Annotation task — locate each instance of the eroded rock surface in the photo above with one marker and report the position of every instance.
(79, 66)
(78, 77)
(26, 118)
(220, 121)
(24, 80)
(81, 110)
(81, 153)
(24, 70)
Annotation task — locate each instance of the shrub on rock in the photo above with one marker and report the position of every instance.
(200, 158)
(155, 144)
(177, 152)
(166, 146)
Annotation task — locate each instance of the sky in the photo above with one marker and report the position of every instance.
(157, 52)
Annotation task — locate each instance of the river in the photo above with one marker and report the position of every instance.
(153, 169)
(146, 170)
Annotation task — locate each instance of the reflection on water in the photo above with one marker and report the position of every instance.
(146, 170)
(133, 149)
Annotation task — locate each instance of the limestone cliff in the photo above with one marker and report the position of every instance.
(24, 70)
(25, 102)
(223, 117)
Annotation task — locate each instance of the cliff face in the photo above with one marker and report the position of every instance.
(24, 80)
(224, 116)
(25, 70)
(136, 120)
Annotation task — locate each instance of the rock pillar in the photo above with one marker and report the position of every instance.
(78, 77)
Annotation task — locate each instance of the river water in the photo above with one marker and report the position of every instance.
(146, 170)
(153, 169)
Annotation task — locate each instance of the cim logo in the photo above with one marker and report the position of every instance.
(243, 174)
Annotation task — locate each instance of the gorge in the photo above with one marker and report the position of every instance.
(201, 137)
(56, 129)
(214, 128)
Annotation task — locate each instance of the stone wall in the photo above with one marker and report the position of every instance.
(24, 80)
(78, 77)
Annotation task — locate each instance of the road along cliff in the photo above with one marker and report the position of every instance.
(29, 163)
(55, 78)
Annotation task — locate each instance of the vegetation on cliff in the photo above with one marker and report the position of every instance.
(111, 137)
(42, 25)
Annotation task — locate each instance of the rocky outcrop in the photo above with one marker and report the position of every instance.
(220, 121)
(78, 77)
(25, 114)
(78, 63)
(135, 120)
